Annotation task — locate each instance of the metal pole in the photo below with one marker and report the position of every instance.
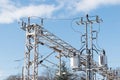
(22, 73)
(91, 50)
(35, 64)
(60, 65)
(86, 34)
(27, 56)
(91, 39)
(87, 52)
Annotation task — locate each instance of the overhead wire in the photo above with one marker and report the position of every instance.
(19, 64)
(51, 18)
(97, 38)
(77, 31)
(71, 25)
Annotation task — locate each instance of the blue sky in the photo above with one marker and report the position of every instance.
(13, 38)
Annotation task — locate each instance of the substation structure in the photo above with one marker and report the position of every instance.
(81, 60)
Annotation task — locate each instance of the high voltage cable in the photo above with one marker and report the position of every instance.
(52, 18)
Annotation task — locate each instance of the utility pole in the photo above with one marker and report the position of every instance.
(88, 36)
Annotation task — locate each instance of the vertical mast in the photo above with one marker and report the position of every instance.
(31, 52)
(89, 44)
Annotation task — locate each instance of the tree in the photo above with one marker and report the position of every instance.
(49, 73)
(42, 78)
(14, 77)
(65, 74)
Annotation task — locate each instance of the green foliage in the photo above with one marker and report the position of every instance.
(64, 73)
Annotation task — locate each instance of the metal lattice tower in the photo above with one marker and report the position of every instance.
(37, 35)
(31, 52)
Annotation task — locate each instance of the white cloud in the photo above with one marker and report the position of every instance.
(77, 6)
(40, 10)
(9, 12)
(87, 5)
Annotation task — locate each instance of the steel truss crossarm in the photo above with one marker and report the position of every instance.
(56, 43)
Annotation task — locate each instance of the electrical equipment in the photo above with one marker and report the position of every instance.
(75, 62)
(103, 59)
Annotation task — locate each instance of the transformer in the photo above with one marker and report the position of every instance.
(75, 62)
(103, 59)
